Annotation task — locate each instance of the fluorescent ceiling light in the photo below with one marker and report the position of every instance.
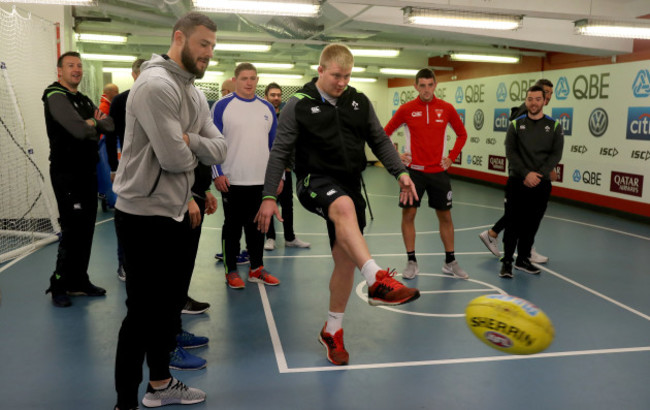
(294, 76)
(399, 71)
(301, 8)
(100, 38)
(604, 28)
(108, 57)
(242, 47)
(483, 58)
(355, 69)
(459, 18)
(116, 70)
(359, 52)
(363, 80)
(62, 2)
(270, 65)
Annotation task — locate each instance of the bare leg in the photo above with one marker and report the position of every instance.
(408, 228)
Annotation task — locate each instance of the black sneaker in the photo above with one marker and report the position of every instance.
(506, 270)
(193, 307)
(59, 299)
(523, 264)
(87, 290)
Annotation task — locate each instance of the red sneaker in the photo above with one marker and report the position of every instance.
(260, 275)
(336, 352)
(388, 291)
(234, 280)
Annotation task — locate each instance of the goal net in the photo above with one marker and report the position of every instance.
(28, 215)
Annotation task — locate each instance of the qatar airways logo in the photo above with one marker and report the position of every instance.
(496, 163)
(629, 184)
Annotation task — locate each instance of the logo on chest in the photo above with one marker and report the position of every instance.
(416, 114)
(315, 110)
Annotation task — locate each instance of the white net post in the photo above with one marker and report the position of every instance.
(28, 216)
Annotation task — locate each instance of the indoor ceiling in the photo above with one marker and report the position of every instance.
(547, 27)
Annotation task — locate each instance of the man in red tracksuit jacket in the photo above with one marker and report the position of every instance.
(425, 119)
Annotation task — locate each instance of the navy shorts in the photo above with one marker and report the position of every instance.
(317, 192)
(437, 187)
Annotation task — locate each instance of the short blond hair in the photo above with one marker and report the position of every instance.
(337, 53)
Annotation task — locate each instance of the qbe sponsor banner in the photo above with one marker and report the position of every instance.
(604, 110)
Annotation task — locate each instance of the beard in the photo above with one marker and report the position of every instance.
(190, 64)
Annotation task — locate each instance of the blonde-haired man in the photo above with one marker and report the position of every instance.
(328, 124)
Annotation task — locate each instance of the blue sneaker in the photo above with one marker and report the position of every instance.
(188, 340)
(180, 359)
(242, 258)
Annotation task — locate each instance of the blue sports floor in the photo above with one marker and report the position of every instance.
(264, 353)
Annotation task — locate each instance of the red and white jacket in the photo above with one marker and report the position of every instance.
(425, 127)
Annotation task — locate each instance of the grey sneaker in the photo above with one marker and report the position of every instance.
(297, 243)
(411, 270)
(453, 268)
(175, 393)
(269, 245)
(491, 243)
(537, 257)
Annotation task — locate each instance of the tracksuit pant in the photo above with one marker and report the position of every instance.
(240, 205)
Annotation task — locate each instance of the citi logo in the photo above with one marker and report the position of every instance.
(565, 117)
(461, 114)
(598, 122)
(501, 119)
(459, 95)
(416, 114)
(502, 92)
(638, 123)
(562, 90)
(641, 86)
(315, 110)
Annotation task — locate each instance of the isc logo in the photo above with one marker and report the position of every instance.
(501, 119)
(638, 123)
(565, 116)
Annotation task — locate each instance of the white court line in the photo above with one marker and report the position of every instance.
(273, 330)
(600, 295)
(646, 238)
(466, 360)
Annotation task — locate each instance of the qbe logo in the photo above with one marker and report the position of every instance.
(641, 85)
(461, 114)
(598, 122)
(459, 95)
(475, 160)
(638, 123)
(588, 177)
(497, 163)
(565, 116)
(501, 119)
(562, 90)
(396, 98)
(502, 92)
(479, 119)
(628, 184)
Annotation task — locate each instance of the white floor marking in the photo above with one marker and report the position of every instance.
(273, 330)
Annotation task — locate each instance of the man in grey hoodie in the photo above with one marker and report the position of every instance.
(168, 132)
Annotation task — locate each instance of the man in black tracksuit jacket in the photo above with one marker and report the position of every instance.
(73, 128)
(328, 125)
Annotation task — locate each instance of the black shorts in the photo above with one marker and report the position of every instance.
(437, 187)
(317, 192)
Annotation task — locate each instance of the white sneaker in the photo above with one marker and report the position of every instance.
(297, 243)
(411, 270)
(269, 245)
(453, 268)
(536, 257)
(491, 243)
(175, 393)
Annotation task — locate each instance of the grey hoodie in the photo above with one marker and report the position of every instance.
(156, 171)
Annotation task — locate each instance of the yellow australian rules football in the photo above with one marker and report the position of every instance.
(509, 324)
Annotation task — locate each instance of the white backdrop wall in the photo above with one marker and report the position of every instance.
(605, 112)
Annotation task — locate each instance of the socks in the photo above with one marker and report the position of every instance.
(411, 256)
(334, 322)
(369, 271)
(163, 387)
(449, 257)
